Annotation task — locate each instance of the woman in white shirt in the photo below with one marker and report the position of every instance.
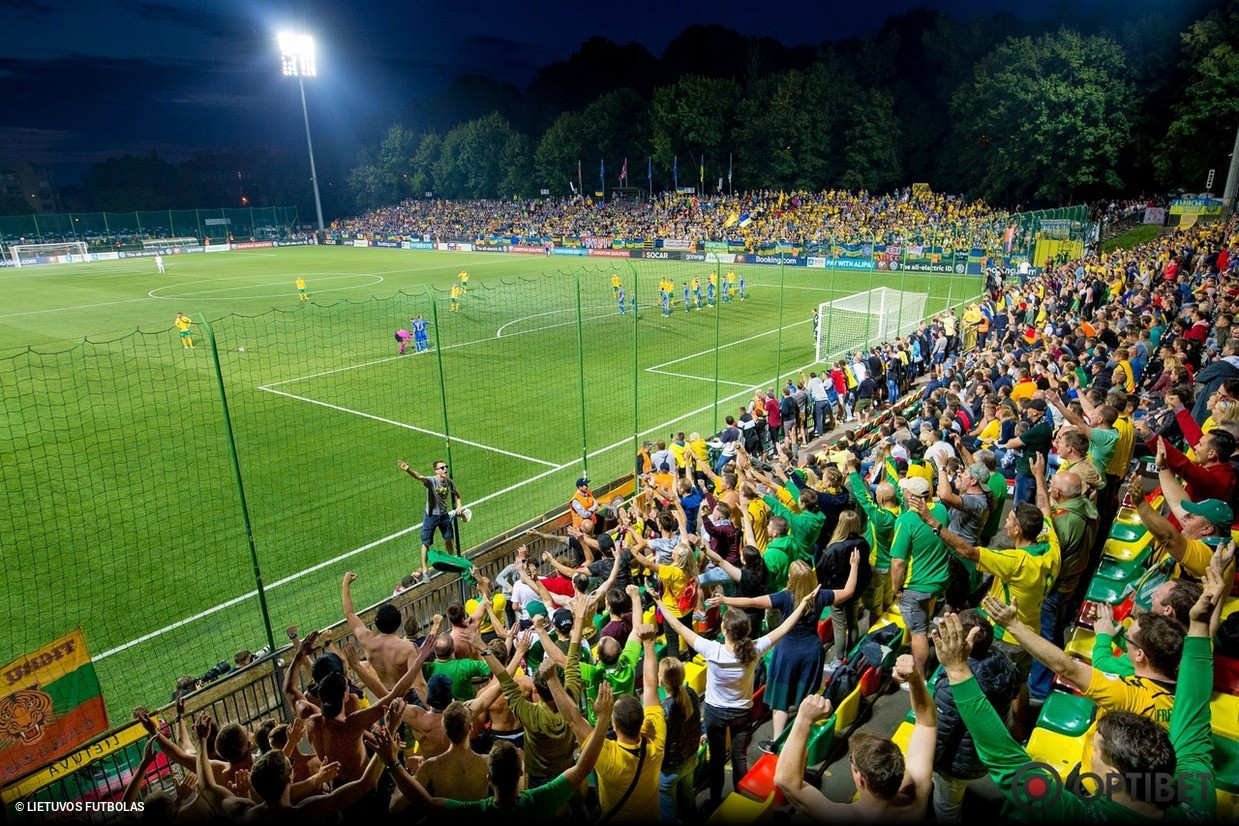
(729, 687)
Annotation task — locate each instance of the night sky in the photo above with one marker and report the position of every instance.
(85, 80)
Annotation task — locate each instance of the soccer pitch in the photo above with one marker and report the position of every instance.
(123, 511)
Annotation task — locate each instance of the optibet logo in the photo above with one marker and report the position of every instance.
(1038, 787)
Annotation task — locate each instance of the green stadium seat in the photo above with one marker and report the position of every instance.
(1124, 570)
(1103, 589)
(821, 739)
(1127, 533)
(1067, 714)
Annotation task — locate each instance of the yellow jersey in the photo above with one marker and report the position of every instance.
(182, 323)
(301, 283)
(455, 293)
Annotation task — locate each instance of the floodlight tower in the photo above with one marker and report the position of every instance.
(297, 60)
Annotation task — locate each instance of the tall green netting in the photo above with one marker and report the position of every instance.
(323, 406)
(116, 449)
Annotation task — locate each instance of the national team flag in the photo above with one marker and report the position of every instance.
(579, 182)
(729, 169)
(649, 169)
(624, 171)
(61, 706)
(602, 174)
(703, 173)
(675, 172)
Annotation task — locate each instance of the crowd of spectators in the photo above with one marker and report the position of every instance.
(970, 501)
(756, 218)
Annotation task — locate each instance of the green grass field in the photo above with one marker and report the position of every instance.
(122, 507)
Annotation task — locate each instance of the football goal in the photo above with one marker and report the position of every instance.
(44, 253)
(862, 320)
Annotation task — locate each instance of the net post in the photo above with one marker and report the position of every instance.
(636, 373)
(778, 353)
(868, 316)
(447, 428)
(831, 321)
(718, 313)
(37, 231)
(580, 366)
(107, 231)
(236, 469)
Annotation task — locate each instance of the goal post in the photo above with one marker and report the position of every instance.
(32, 253)
(861, 320)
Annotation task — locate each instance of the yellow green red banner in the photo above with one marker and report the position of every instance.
(50, 703)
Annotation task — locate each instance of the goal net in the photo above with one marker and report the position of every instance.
(862, 320)
(45, 253)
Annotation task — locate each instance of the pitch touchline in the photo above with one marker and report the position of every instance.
(406, 426)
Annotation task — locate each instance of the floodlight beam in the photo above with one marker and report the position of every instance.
(297, 59)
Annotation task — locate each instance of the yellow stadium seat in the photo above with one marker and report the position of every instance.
(695, 677)
(1081, 644)
(650, 616)
(738, 809)
(1058, 750)
(902, 735)
(846, 713)
(1226, 807)
(1126, 551)
(1224, 712)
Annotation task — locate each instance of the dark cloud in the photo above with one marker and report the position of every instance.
(26, 7)
(206, 22)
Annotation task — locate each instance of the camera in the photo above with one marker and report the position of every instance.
(215, 672)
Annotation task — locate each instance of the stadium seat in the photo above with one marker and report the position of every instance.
(701, 775)
(1106, 590)
(758, 784)
(1059, 684)
(1124, 570)
(1127, 533)
(902, 735)
(826, 631)
(1058, 750)
(1067, 714)
(821, 740)
(759, 708)
(870, 682)
(1226, 764)
(738, 809)
(1080, 645)
(1224, 714)
(845, 715)
(695, 677)
(1126, 551)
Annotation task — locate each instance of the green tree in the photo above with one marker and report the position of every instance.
(1045, 119)
(473, 162)
(386, 176)
(1201, 135)
(691, 118)
(616, 126)
(872, 143)
(559, 151)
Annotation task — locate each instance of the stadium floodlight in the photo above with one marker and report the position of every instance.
(297, 60)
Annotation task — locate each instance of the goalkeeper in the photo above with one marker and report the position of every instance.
(441, 493)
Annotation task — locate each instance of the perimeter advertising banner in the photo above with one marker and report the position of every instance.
(50, 703)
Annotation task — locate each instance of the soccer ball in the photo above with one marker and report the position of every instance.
(240, 349)
(466, 514)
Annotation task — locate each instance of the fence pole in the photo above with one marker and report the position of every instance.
(778, 353)
(580, 367)
(830, 320)
(447, 428)
(718, 312)
(236, 469)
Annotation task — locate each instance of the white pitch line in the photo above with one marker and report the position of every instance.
(698, 378)
(406, 426)
(729, 344)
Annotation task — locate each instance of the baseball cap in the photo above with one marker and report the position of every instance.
(562, 620)
(979, 472)
(582, 481)
(1215, 510)
(439, 692)
(1037, 404)
(535, 608)
(915, 485)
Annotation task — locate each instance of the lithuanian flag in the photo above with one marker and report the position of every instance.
(50, 703)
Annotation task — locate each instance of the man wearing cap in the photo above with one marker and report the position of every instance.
(583, 504)
(1036, 439)
(1205, 524)
(1023, 575)
(967, 499)
(919, 565)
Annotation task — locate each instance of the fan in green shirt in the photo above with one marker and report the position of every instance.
(881, 516)
(1130, 748)
(805, 526)
(462, 673)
